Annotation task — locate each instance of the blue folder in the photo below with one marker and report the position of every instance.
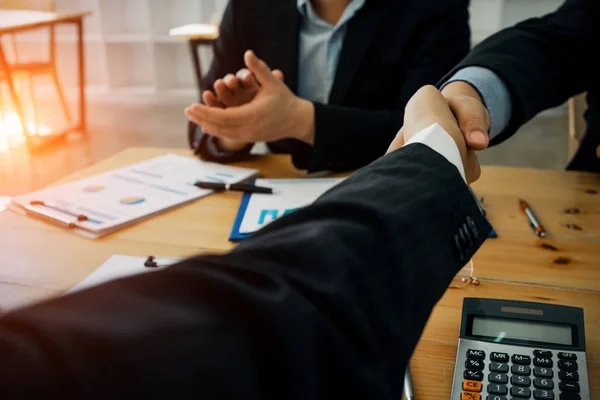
(237, 236)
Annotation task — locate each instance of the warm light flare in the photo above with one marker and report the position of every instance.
(11, 131)
(4, 202)
(205, 31)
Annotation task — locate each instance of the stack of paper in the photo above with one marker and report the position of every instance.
(104, 203)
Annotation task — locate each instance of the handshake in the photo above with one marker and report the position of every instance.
(256, 105)
(460, 111)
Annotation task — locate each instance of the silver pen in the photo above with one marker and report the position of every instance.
(408, 387)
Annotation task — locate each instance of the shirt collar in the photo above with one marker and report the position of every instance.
(305, 9)
(301, 5)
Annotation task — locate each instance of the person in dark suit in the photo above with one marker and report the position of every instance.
(327, 302)
(520, 71)
(349, 66)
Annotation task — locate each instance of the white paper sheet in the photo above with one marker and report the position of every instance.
(120, 266)
(289, 195)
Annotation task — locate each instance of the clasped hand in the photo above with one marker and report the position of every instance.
(253, 105)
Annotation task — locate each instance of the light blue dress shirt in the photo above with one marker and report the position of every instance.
(319, 50)
(493, 92)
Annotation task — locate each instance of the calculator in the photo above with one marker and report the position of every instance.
(512, 350)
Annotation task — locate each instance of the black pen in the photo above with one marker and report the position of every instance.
(238, 187)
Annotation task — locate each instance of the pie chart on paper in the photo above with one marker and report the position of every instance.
(93, 188)
(131, 201)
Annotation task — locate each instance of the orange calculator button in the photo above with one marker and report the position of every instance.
(470, 396)
(472, 386)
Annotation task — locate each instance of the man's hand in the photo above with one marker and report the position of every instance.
(471, 115)
(426, 108)
(274, 113)
(235, 90)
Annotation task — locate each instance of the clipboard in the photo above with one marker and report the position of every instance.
(108, 202)
(53, 217)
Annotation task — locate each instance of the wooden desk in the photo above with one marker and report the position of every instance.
(35, 264)
(14, 21)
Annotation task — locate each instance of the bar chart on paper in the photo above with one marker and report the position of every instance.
(258, 210)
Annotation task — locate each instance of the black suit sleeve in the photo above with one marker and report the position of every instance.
(327, 302)
(347, 138)
(543, 61)
(228, 56)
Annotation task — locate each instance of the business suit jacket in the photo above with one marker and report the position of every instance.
(544, 61)
(325, 303)
(391, 49)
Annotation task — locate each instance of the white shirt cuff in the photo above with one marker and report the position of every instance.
(436, 138)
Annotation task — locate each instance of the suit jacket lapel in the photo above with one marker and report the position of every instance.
(359, 34)
(284, 36)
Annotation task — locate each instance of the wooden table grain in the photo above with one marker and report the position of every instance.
(38, 260)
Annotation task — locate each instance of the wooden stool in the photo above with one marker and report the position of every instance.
(197, 35)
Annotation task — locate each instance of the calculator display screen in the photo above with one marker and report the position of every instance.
(531, 331)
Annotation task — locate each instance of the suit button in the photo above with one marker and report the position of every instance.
(473, 227)
(459, 249)
(468, 236)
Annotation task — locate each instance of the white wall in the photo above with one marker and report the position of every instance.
(131, 58)
(488, 16)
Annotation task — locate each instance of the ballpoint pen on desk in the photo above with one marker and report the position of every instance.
(238, 187)
(534, 222)
(408, 388)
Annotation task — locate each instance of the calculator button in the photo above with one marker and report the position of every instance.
(568, 376)
(520, 370)
(542, 362)
(569, 387)
(498, 378)
(499, 357)
(519, 359)
(520, 392)
(541, 394)
(476, 354)
(564, 364)
(567, 356)
(475, 364)
(470, 396)
(498, 367)
(542, 383)
(543, 372)
(473, 375)
(497, 389)
(542, 353)
(569, 396)
(520, 380)
(472, 386)
(495, 397)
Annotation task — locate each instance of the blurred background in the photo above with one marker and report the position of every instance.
(138, 79)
